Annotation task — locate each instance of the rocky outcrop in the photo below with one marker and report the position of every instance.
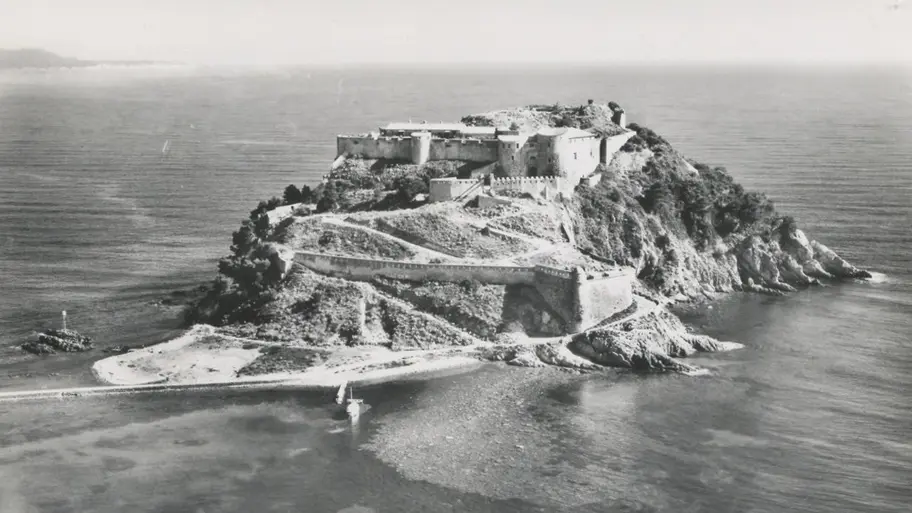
(781, 264)
(51, 341)
(649, 343)
(834, 264)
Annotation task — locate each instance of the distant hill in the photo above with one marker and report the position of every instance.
(38, 58)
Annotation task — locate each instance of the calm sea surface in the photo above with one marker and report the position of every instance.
(120, 186)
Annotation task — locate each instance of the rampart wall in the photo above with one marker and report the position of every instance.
(582, 301)
(446, 189)
(366, 268)
(613, 144)
(469, 150)
(369, 147)
(534, 185)
(556, 288)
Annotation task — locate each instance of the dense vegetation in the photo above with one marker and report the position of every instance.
(623, 215)
(391, 184)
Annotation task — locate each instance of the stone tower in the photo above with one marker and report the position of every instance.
(421, 147)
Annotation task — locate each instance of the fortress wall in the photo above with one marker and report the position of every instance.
(556, 288)
(483, 171)
(601, 297)
(447, 189)
(580, 301)
(469, 150)
(534, 185)
(613, 144)
(393, 148)
(421, 147)
(577, 158)
(513, 157)
(365, 269)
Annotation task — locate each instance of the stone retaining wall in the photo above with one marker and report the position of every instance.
(582, 301)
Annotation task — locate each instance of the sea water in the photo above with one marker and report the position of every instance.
(118, 187)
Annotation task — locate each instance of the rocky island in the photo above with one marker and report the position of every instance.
(53, 340)
(539, 236)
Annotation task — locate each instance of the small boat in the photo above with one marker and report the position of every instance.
(165, 147)
(340, 395)
(353, 406)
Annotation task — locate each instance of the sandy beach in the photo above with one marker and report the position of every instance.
(200, 357)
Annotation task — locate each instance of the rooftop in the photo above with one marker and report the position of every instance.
(439, 127)
(564, 131)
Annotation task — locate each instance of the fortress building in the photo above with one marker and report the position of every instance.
(558, 157)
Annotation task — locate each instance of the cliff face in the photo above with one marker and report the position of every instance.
(688, 230)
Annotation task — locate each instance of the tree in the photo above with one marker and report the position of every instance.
(407, 187)
(307, 194)
(292, 195)
(243, 240)
(265, 206)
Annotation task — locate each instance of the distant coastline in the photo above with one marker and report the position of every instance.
(35, 58)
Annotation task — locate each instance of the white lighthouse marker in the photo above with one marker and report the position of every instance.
(64, 319)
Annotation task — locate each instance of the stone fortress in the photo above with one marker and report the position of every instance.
(545, 162)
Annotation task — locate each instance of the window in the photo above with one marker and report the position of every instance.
(517, 146)
(574, 155)
(513, 158)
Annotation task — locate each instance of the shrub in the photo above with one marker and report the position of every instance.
(307, 195)
(653, 141)
(407, 187)
(265, 206)
(291, 195)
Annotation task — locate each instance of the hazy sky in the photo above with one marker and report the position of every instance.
(380, 31)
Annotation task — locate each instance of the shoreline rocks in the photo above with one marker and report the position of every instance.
(54, 340)
(781, 266)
